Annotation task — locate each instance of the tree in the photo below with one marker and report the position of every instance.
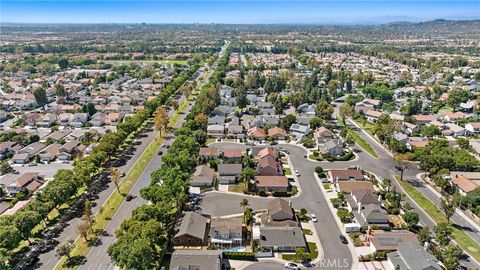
(63, 63)
(5, 167)
(65, 249)
(450, 256)
(402, 165)
(25, 221)
(60, 90)
(448, 208)
(462, 143)
(40, 96)
(10, 237)
(244, 204)
(174, 104)
(300, 255)
(241, 97)
(344, 111)
(161, 119)
(324, 110)
(411, 218)
(332, 87)
(443, 231)
(430, 131)
(115, 177)
(287, 121)
(87, 212)
(89, 109)
(424, 235)
(83, 229)
(457, 96)
(315, 123)
(246, 175)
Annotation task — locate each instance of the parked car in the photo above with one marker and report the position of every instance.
(123, 174)
(292, 266)
(313, 217)
(128, 198)
(160, 153)
(343, 239)
(297, 173)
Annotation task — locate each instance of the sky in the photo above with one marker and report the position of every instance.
(235, 11)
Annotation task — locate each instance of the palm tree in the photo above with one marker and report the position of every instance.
(244, 204)
(246, 174)
(115, 177)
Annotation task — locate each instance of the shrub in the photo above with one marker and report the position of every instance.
(336, 202)
(281, 193)
(262, 193)
(319, 170)
(243, 256)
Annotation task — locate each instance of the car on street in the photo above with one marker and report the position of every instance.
(292, 266)
(160, 153)
(123, 174)
(297, 173)
(343, 239)
(313, 217)
(128, 198)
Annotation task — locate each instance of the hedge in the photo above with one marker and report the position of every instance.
(243, 256)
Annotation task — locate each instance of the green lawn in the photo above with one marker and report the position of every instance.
(238, 187)
(307, 232)
(464, 241)
(359, 140)
(287, 171)
(312, 253)
(326, 186)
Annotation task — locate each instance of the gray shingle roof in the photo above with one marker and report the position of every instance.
(192, 224)
(281, 236)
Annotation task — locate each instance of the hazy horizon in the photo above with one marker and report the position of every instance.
(235, 12)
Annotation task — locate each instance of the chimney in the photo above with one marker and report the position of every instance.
(359, 207)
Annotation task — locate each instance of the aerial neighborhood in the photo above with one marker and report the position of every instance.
(217, 147)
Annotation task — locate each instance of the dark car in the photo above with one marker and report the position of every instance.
(160, 153)
(343, 239)
(129, 198)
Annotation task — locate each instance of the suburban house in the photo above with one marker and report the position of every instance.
(367, 104)
(423, 118)
(7, 148)
(235, 131)
(215, 131)
(208, 153)
(372, 116)
(345, 175)
(277, 133)
(50, 152)
(466, 182)
(473, 127)
(79, 120)
(366, 207)
(232, 155)
(380, 240)
(203, 176)
(228, 173)
(454, 130)
(269, 165)
(23, 158)
(192, 230)
(216, 120)
(279, 214)
(197, 260)
(348, 186)
(323, 135)
(332, 147)
(454, 116)
(28, 181)
(412, 255)
(282, 239)
(271, 183)
(256, 133)
(299, 130)
(226, 232)
(32, 149)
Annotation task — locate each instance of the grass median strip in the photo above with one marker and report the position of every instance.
(359, 140)
(108, 209)
(463, 240)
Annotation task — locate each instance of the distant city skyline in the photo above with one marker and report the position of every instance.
(235, 11)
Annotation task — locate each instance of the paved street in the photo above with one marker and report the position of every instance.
(313, 200)
(98, 258)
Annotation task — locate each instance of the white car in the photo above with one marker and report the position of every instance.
(313, 217)
(297, 173)
(292, 266)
